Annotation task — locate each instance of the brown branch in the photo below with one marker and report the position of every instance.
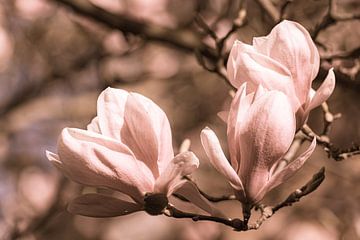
(308, 188)
(355, 53)
(268, 211)
(173, 212)
(324, 139)
(331, 18)
(270, 10)
(184, 39)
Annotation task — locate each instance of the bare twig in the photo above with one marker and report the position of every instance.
(235, 223)
(308, 188)
(324, 139)
(268, 211)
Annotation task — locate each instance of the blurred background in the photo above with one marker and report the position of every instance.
(54, 62)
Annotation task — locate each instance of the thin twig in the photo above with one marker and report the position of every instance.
(268, 211)
(235, 223)
(308, 188)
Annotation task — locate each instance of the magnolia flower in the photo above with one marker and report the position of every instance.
(127, 148)
(286, 60)
(260, 129)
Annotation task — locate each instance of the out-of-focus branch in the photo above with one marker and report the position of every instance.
(270, 10)
(184, 39)
(355, 53)
(40, 222)
(218, 65)
(324, 139)
(331, 18)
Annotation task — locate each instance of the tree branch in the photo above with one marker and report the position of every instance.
(235, 223)
(184, 39)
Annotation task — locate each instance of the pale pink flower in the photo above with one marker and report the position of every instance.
(260, 129)
(286, 60)
(127, 148)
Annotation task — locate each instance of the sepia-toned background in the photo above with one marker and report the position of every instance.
(54, 63)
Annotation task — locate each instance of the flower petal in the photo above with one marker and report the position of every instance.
(110, 111)
(189, 191)
(245, 64)
(288, 171)
(291, 45)
(94, 125)
(234, 116)
(170, 179)
(217, 158)
(324, 91)
(54, 159)
(266, 133)
(147, 132)
(92, 159)
(97, 205)
(139, 135)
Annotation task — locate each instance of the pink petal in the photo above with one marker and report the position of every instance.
(291, 45)
(189, 191)
(54, 159)
(94, 125)
(245, 64)
(97, 205)
(265, 135)
(144, 127)
(324, 92)
(138, 133)
(217, 158)
(288, 171)
(147, 132)
(95, 160)
(110, 110)
(170, 179)
(235, 113)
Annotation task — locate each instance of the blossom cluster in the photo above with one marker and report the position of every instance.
(128, 148)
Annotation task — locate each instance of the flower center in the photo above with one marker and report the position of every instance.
(155, 203)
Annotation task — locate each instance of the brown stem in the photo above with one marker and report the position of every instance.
(235, 223)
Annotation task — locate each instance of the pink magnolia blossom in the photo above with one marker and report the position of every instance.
(127, 148)
(260, 129)
(286, 60)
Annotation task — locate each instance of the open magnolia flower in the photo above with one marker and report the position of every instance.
(127, 148)
(286, 60)
(260, 128)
